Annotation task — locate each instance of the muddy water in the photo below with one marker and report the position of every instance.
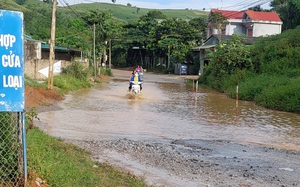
(167, 109)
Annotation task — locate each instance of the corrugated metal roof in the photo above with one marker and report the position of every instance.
(45, 45)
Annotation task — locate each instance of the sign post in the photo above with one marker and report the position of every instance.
(12, 70)
(12, 62)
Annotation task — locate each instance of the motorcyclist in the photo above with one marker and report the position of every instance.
(134, 77)
(139, 69)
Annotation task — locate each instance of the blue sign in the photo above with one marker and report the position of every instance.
(183, 69)
(11, 61)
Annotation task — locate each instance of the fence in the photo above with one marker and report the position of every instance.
(11, 150)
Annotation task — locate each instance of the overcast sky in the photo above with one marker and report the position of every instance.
(182, 4)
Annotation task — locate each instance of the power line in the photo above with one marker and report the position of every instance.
(245, 4)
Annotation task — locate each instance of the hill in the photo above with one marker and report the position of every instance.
(129, 13)
(119, 12)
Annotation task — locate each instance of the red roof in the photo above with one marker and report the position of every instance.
(230, 14)
(263, 16)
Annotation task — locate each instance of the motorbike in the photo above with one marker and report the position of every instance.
(140, 73)
(135, 88)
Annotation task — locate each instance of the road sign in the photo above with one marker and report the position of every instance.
(11, 61)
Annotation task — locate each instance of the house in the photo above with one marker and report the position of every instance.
(37, 57)
(252, 24)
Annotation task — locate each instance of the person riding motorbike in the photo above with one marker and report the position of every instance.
(139, 69)
(134, 75)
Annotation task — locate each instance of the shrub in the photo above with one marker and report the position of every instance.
(285, 97)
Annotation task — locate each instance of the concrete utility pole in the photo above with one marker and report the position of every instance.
(52, 47)
(95, 64)
(109, 58)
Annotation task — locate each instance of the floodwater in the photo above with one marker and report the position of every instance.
(167, 109)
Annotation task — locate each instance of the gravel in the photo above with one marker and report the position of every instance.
(198, 162)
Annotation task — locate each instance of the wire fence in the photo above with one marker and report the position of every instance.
(11, 150)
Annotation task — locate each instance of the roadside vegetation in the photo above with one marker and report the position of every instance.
(53, 162)
(61, 164)
(57, 163)
(267, 72)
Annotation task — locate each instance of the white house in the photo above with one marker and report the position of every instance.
(250, 23)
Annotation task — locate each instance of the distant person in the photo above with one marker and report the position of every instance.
(139, 69)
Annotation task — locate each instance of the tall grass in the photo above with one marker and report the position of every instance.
(285, 97)
(72, 78)
(271, 91)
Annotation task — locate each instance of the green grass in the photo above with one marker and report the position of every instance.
(277, 92)
(35, 83)
(126, 13)
(63, 164)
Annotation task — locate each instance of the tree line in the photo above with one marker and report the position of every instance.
(158, 38)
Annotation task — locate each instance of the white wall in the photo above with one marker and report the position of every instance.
(262, 29)
(234, 28)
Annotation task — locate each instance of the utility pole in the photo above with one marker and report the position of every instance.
(169, 56)
(109, 58)
(95, 50)
(52, 47)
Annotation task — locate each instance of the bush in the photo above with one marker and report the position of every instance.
(285, 97)
(76, 70)
(69, 83)
(252, 85)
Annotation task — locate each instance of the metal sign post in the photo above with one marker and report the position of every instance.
(12, 61)
(12, 70)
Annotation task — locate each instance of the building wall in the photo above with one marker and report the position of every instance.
(263, 29)
(36, 59)
(33, 66)
(32, 50)
(234, 28)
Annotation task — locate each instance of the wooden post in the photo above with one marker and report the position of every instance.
(52, 47)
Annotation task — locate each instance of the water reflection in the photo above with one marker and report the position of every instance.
(170, 111)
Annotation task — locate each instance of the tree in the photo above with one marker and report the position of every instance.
(256, 8)
(199, 25)
(47, 1)
(217, 21)
(153, 14)
(20, 2)
(231, 55)
(289, 12)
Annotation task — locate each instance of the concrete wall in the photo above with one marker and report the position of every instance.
(32, 67)
(36, 59)
(234, 28)
(263, 29)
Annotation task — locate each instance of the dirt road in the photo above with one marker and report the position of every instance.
(169, 141)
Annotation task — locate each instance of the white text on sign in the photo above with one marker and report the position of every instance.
(7, 40)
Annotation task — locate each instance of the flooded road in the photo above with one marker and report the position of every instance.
(173, 114)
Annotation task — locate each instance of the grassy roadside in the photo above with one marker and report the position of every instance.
(53, 162)
(62, 164)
